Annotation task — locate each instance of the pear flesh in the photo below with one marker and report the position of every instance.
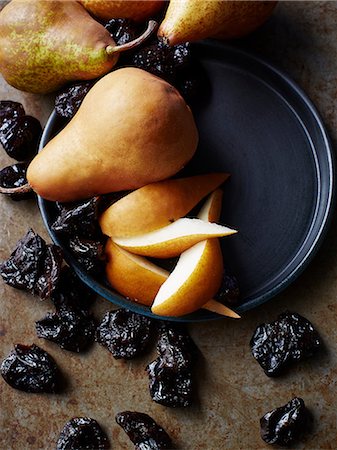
(132, 129)
(193, 20)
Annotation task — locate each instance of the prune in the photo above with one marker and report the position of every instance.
(162, 60)
(289, 338)
(122, 30)
(72, 330)
(21, 270)
(30, 369)
(68, 101)
(124, 333)
(49, 272)
(229, 291)
(10, 110)
(143, 431)
(88, 253)
(167, 387)
(78, 219)
(284, 425)
(82, 433)
(14, 176)
(20, 137)
(176, 348)
(71, 293)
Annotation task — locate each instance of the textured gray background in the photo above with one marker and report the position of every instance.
(301, 38)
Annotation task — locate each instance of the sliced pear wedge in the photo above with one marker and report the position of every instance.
(173, 239)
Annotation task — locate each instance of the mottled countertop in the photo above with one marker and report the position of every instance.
(233, 392)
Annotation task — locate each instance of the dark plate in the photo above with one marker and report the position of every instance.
(255, 123)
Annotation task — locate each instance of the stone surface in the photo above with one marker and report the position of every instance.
(301, 38)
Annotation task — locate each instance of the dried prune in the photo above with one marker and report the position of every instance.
(143, 431)
(229, 291)
(78, 219)
(124, 333)
(122, 30)
(30, 369)
(72, 330)
(14, 176)
(21, 270)
(49, 272)
(20, 137)
(82, 433)
(176, 348)
(284, 425)
(167, 387)
(10, 110)
(88, 253)
(162, 60)
(71, 292)
(289, 338)
(68, 100)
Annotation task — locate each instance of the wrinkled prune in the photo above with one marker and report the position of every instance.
(49, 272)
(167, 387)
(289, 338)
(71, 292)
(20, 137)
(143, 431)
(88, 253)
(15, 176)
(124, 333)
(10, 110)
(284, 425)
(82, 433)
(122, 30)
(21, 270)
(30, 369)
(176, 348)
(162, 60)
(229, 291)
(78, 219)
(72, 330)
(68, 101)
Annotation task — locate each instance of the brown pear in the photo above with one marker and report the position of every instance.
(192, 20)
(138, 10)
(132, 129)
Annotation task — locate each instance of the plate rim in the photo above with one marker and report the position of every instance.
(319, 236)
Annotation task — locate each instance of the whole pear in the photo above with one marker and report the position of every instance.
(131, 129)
(138, 10)
(45, 44)
(192, 20)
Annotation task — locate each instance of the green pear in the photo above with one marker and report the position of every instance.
(131, 129)
(192, 20)
(45, 44)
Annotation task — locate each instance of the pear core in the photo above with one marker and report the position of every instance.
(132, 129)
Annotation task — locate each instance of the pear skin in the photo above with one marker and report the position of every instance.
(192, 20)
(131, 129)
(137, 10)
(157, 204)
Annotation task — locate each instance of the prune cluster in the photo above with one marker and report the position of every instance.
(284, 425)
(289, 338)
(229, 292)
(77, 224)
(30, 369)
(124, 333)
(170, 375)
(19, 135)
(143, 431)
(82, 433)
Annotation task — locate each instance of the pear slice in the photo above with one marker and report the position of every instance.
(219, 308)
(173, 239)
(157, 204)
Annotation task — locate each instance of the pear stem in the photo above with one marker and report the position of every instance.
(17, 190)
(152, 25)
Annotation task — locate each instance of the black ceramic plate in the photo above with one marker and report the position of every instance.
(255, 123)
